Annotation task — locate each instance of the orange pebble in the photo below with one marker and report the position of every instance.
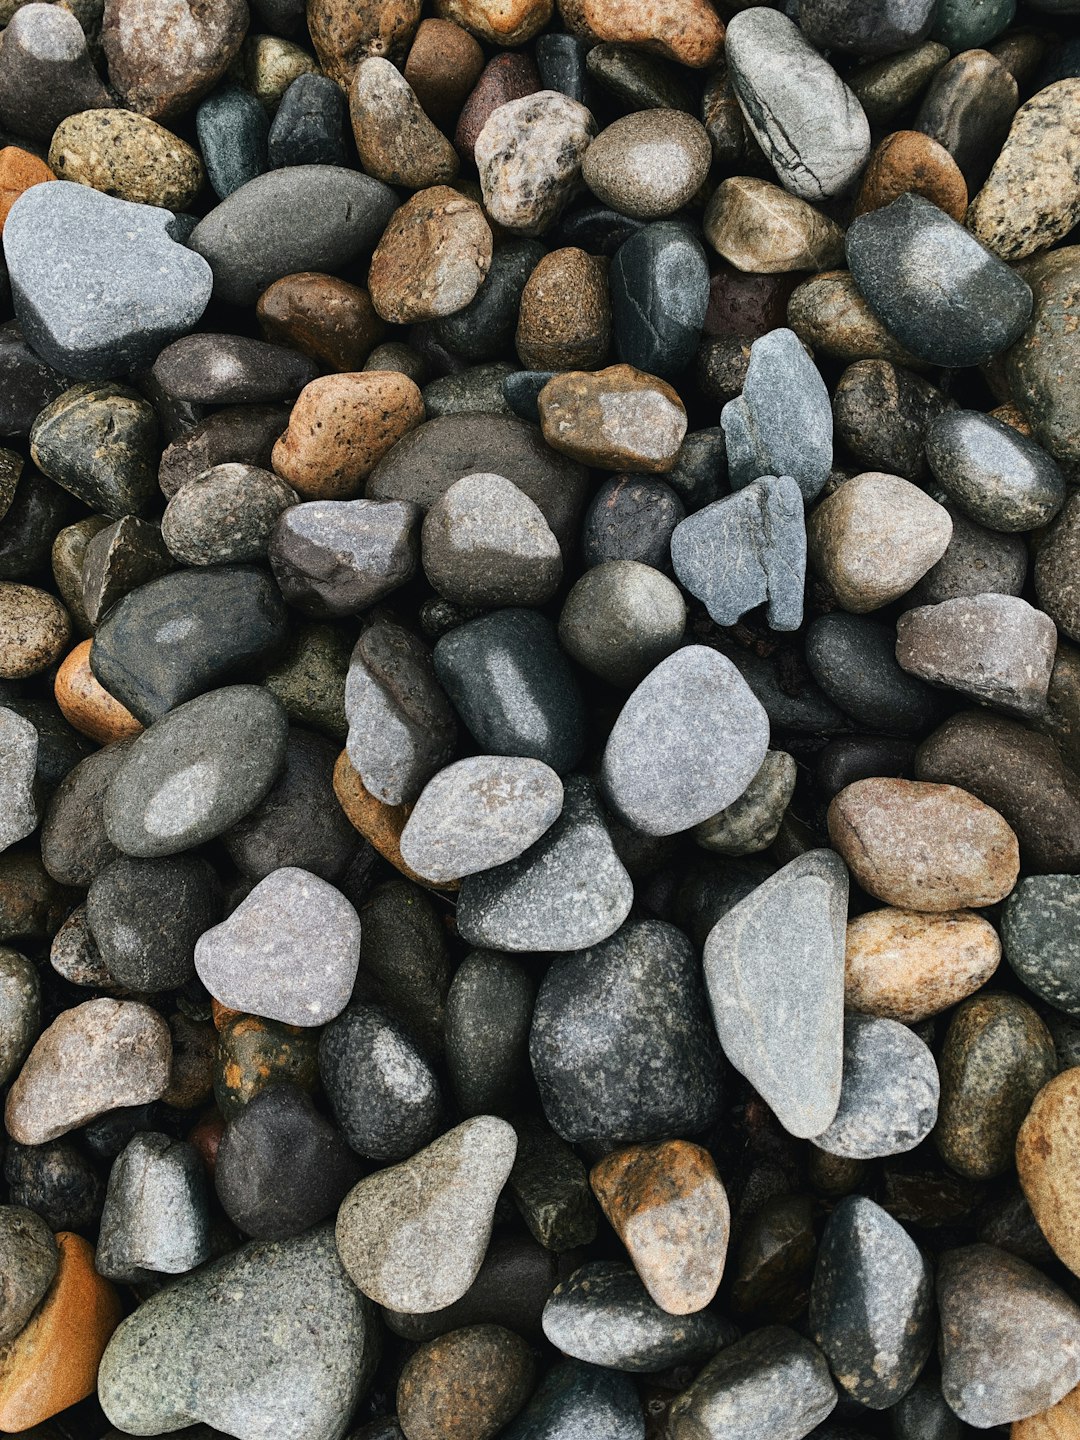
(18, 171)
(53, 1361)
(380, 824)
(221, 1014)
(86, 704)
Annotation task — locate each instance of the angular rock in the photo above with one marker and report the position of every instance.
(337, 557)
(100, 443)
(156, 1219)
(889, 1098)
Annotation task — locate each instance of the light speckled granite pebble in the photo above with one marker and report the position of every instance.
(156, 1218)
(889, 1098)
(18, 769)
(529, 155)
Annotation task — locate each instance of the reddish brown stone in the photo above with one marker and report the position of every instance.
(206, 1135)
(617, 419)
(323, 317)
(687, 31)
(165, 54)
(344, 32)
(507, 77)
(908, 160)
(19, 170)
(443, 66)
(564, 322)
(746, 305)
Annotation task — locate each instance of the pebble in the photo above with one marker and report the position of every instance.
(35, 630)
(1045, 1161)
(1055, 585)
(19, 812)
(57, 1181)
(615, 419)
(889, 1097)
(337, 557)
(406, 964)
(74, 845)
(432, 257)
(232, 129)
(30, 1262)
(781, 424)
(578, 1399)
(395, 140)
(305, 217)
(621, 1046)
(1044, 352)
(256, 1055)
(669, 1207)
(529, 155)
(760, 228)
(68, 441)
(881, 28)
(226, 516)
(638, 80)
(309, 127)
(659, 287)
(550, 1188)
(488, 1010)
(46, 72)
(871, 1303)
(1010, 1338)
(944, 297)
(442, 66)
(885, 88)
(20, 1011)
(231, 370)
(163, 57)
(882, 414)
(690, 34)
(210, 1347)
(486, 326)
(126, 155)
(648, 164)
(564, 319)
(477, 390)
(155, 1219)
(466, 1385)
(774, 969)
(620, 619)
(120, 558)
(968, 108)
(999, 477)
(631, 518)
(19, 170)
(503, 79)
(146, 915)
(324, 317)
(911, 161)
(752, 822)
(93, 1058)
(412, 1237)
(828, 313)
(853, 659)
(99, 285)
(977, 561)
(237, 434)
(1038, 934)
(906, 966)
(568, 892)
(343, 32)
(1054, 1424)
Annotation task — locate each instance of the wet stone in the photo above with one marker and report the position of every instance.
(326, 318)
(146, 915)
(999, 477)
(156, 1219)
(889, 1096)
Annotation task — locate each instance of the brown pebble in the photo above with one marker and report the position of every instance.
(908, 160)
(1060, 1422)
(378, 823)
(1048, 1163)
(340, 426)
(906, 966)
(432, 258)
(127, 155)
(19, 170)
(564, 322)
(165, 54)
(466, 1385)
(344, 32)
(327, 319)
(34, 630)
(206, 1135)
(687, 31)
(828, 314)
(499, 22)
(617, 419)
(742, 304)
(194, 1050)
(443, 65)
(507, 77)
(924, 847)
(1010, 414)
(757, 226)
(85, 703)
(395, 140)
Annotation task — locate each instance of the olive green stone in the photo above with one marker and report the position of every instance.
(100, 442)
(309, 678)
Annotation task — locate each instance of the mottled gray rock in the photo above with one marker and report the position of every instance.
(529, 156)
(289, 951)
(889, 1098)
(272, 1340)
(774, 968)
(998, 476)
(74, 845)
(871, 1303)
(478, 813)
(549, 1184)
(145, 916)
(869, 28)
(413, 1237)
(484, 542)
(751, 823)
(782, 423)
(225, 516)
(335, 557)
(977, 561)
(772, 1382)
(1040, 934)
(488, 1011)
(99, 284)
(923, 1415)
(100, 443)
(621, 1045)
(575, 1399)
(20, 1011)
(118, 559)
(621, 619)
(46, 73)
(604, 1315)
(566, 892)
(995, 648)
(686, 744)
(401, 725)
(156, 1219)
(806, 120)
(1010, 1339)
(746, 550)
(28, 1261)
(197, 771)
(19, 796)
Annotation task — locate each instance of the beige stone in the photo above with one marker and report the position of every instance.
(126, 155)
(758, 227)
(617, 419)
(499, 22)
(907, 966)
(433, 257)
(1048, 1163)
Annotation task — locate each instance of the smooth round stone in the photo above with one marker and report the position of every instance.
(196, 771)
(998, 476)
(578, 1399)
(382, 1091)
(94, 1057)
(996, 1057)
(485, 542)
(226, 516)
(806, 120)
(908, 160)
(1045, 353)
(29, 1258)
(242, 434)
(1010, 1338)
(164, 642)
(475, 391)
(309, 126)
(231, 370)
(254, 1055)
(845, 530)
(1055, 570)
(261, 959)
(529, 155)
(976, 561)
(485, 327)
(322, 316)
(337, 557)
(488, 1010)
(156, 1219)
(305, 217)
(1038, 932)
(442, 66)
(281, 1167)
(621, 619)
(35, 630)
(99, 284)
(568, 891)
(413, 1236)
(641, 990)
(564, 319)
(648, 164)
(869, 30)
(146, 915)
(659, 286)
(604, 1316)
(1046, 1148)
(20, 1010)
(882, 412)
(966, 24)
(906, 966)
(432, 257)
(213, 1346)
(232, 128)
(885, 88)
(100, 443)
(965, 306)
(395, 139)
(46, 72)
(470, 1382)
(686, 744)
(126, 155)
(688, 34)
(631, 518)
(854, 661)
(871, 1303)
(758, 227)
(889, 1098)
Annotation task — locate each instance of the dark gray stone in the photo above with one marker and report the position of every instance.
(881, 414)
(889, 1098)
(156, 1219)
(1040, 934)
(477, 390)
(521, 391)
(996, 475)
(782, 423)
(118, 559)
(560, 60)
(631, 517)
(485, 328)
(55, 1181)
(621, 619)
(60, 747)
(922, 1414)
(640, 82)
(869, 30)
(337, 557)
(966, 24)
(46, 73)
(28, 1261)
(27, 384)
(240, 434)
(968, 108)
(659, 288)
(100, 443)
(74, 845)
(99, 284)
(853, 659)
(550, 1187)
(215, 369)
(488, 1011)
(700, 472)
(309, 127)
(226, 516)
(977, 561)
(575, 1399)
(406, 967)
(485, 543)
(1033, 368)
(621, 1046)
(146, 915)
(232, 127)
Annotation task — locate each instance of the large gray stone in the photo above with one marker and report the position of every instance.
(336, 557)
(1040, 934)
(156, 1218)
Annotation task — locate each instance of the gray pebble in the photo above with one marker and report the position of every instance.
(977, 561)
(1040, 934)
(751, 823)
(46, 73)
(477, 390)
(20, 1012)
(19, 796)
(28, 1262)
(485, 543)
(621, 619)
(336, 557)
(488, 1011)
(998, 476)
(156, 1218)
(225, 516)
(146, 915)
(74, 845)
(213, 369)
(889, 1098)
(575, 1399)
(853, 659)
(648, 164)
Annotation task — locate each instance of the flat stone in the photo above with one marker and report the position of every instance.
(210, 1346)
(998, 476)
(977, 561)
(413, 1237)
(906, 966)
(806, 120)
(469, 1382)
(889, 1097)
(621, 1045)
(616, 419)
(432, 257)
(686, 744)
(95, 1057)
(1045, 353)
(759, 227)
(232, 128)
(871, 1303)
(648, 164)
(156, 1219)
(162, 58)
(99, 285)
(945, 297)
(100, 443)
(146, 915)
(1038, 931)
(746, 550)
(578, 1399)
(309, 127)
(46, 72)
(19, 798)
(781, 424)
(30, 1261)
(659, 286)
(337, 557)
(529, 156)
(1046, 1148)
(908, 160)
(620, 619)
(879, 28)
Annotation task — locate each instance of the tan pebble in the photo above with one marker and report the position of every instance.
(564, 321)
(1060, 1422)
(432, 258)
(828, 314)
(908, 160)
(34, 630)
(340, 426)
(443, 65)
(687, 31)
(270, 65)
(395, 140)
(1048, 1163)
(19, 170)
(85, 703)
(380, 824)
(617, 419)
(499, 22)
(649, 163)
(126, 155)
(758, 227)
(344, 32)
(906, 966)
(924, 847)
(1010, 414)
(323, 317)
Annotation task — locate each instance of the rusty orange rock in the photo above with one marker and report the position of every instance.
(322, 316)
(1048, 1163)
(19, 170)
(687, 31)
(908, 160)
(668, 1206)
(85, 703)
(53, 1361)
